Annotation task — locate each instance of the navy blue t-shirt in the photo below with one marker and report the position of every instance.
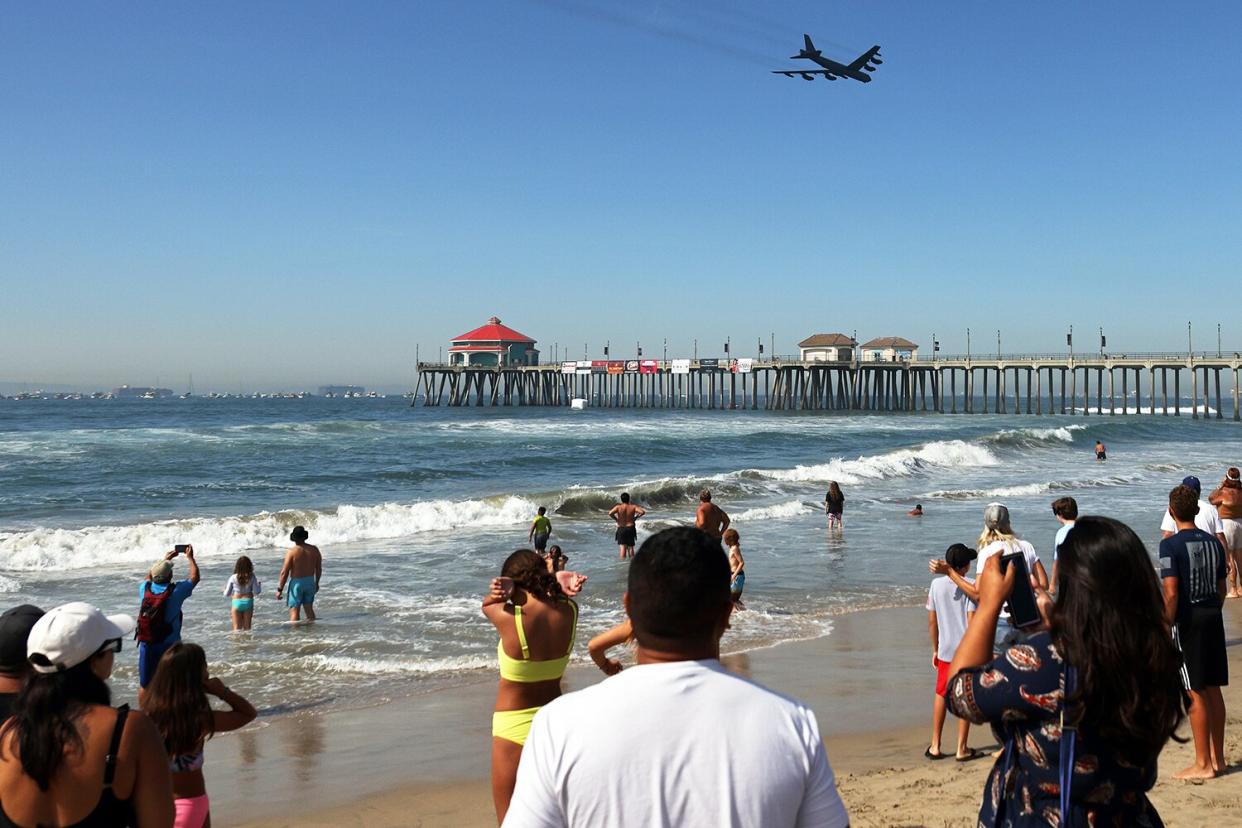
(1197, 560)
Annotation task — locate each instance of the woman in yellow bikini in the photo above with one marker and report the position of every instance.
(537, 626)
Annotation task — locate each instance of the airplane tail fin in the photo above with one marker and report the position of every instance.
(808, 50)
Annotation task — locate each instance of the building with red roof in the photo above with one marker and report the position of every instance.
(493, 344)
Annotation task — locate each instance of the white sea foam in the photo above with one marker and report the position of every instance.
(398, 666)
(900, 463)
(1024, 490)
(45, 549)
(780, 510)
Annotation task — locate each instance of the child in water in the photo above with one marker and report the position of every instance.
(737, 567)
(243, 586)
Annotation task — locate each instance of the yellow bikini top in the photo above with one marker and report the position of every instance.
(524, 670)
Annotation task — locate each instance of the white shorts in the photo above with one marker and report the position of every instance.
(1233, 533)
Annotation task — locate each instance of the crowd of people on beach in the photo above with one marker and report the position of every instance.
(1083, 677)
(68, 758)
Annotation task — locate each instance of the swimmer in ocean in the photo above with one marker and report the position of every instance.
(1100, 453)
(626, 514)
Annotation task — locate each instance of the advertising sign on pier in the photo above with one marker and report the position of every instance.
(569, 367)
(599, 366)
(631, 366)
(709, 364)
(681, 366)
(742, 365)
(648, 366)
(616, 366)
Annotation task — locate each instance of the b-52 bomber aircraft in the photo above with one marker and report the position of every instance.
(832, 70)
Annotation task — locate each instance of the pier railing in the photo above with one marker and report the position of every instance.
(1005, 383)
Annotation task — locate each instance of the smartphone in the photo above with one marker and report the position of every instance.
(1023, 611)
(180, 548)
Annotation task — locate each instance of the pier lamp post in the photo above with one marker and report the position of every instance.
(1103, 341)
(1218, 340)
(968, 344)
(998, 347)
(607, 346)
(1190, 341)
(935, 347)
(638, 348)
(696, 350)
(1069, 342)
(760, 348)
(666, 349)
(726, 349)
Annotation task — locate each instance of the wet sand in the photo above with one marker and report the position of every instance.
(423, 761)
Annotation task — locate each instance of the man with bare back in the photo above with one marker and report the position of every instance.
(302, 570)
(1228, 502)
(710, 517)
(625, 514)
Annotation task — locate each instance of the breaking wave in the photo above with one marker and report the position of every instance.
(46, 549)
(899, 463)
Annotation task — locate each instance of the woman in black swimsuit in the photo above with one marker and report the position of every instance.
(67, 758)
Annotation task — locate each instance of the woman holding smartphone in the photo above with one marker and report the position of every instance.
(1084, 705)
(537, 624)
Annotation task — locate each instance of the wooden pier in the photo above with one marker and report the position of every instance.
(1036, 384)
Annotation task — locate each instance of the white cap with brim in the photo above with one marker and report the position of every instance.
(70, 634)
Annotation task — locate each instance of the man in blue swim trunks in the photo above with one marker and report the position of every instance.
(302, 570)
(159, 615)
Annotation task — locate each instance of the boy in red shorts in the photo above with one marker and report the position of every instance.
(948, 612)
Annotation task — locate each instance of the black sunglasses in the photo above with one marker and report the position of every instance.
(112, 645)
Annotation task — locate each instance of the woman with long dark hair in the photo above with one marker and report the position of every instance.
(1084, 706)
(834, 506)
(67, 757)
(537, 625)
(176, 701)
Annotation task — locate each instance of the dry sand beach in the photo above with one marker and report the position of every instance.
(423, 761)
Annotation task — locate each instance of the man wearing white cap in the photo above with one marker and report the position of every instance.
(66, 756)
(159, 617)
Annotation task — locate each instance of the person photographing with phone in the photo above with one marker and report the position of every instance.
(159, 613)
(1085, 754)
(997, 538)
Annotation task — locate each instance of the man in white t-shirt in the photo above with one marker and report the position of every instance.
(1208, 518)
(676, 740)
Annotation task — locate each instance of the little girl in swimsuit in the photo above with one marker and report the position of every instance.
(243, 586)
(177, 702)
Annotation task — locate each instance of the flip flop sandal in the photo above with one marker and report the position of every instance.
(971, 756)
(933, 756)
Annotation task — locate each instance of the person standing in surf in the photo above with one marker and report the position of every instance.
(710, 518)
(834, 506)
(1228, 502)
(302, 570)
(540, 528)
(626, 515)
(1101, 453)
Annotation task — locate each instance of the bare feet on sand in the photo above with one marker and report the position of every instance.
(1195, 772)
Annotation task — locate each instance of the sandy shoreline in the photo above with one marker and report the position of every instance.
(424, 761)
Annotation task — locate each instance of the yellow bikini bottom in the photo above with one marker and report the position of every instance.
(513, 725)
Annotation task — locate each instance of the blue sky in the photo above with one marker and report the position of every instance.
(277, 195)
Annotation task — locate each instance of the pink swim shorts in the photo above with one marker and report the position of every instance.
(191, 812)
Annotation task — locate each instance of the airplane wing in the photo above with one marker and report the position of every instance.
(870, 56)
(807, 74)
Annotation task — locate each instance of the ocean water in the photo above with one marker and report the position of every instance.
(415, 509)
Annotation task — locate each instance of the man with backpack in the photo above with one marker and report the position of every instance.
(159, 616)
